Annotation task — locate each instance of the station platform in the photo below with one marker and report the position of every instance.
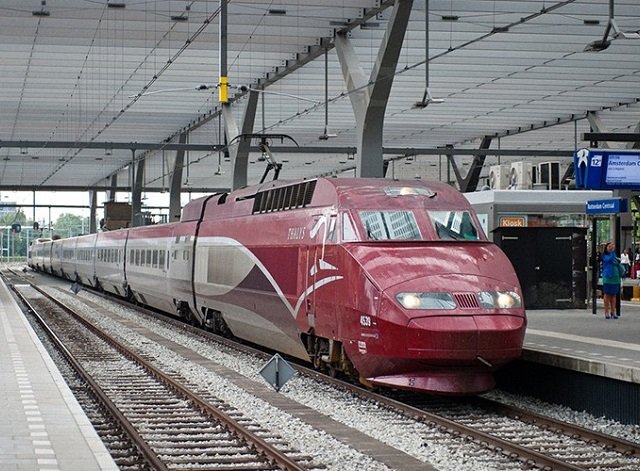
(576, 339)
(43, 426)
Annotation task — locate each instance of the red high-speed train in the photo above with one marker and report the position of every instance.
(391, 282)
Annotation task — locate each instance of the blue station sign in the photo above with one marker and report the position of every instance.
(608, 206)
(599, 169)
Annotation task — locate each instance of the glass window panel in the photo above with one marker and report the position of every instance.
(454, 225)
(390, 225)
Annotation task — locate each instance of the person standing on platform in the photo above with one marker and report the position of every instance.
(625, 261)
(610, 280)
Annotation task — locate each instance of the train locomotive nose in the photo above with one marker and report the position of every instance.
(461, 318)
(456, 331)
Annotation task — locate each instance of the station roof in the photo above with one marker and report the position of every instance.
(76, 74)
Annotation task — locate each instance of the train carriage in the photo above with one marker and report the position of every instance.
(109, 261)
(68, 262)
(84, 259)
(39, 252)
(147, 260)
(56, 257)
(250, 269)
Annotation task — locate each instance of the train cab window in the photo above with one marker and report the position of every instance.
(390, 225)
(331, 232)
(348, 231)
(454, 225)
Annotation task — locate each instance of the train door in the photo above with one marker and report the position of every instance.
(321, 275)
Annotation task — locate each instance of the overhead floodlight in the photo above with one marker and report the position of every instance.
(619, 34)
(612, 26)
(597, 46)
(427, 100)
(277, 11)
(179, 18)
(327, 135)
(42, 11)
(116, 4)
(450, 17)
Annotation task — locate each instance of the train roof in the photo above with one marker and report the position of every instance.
(322, 192)
(371, 192)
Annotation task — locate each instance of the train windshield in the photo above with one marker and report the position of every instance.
(390, 225)
(454, 225)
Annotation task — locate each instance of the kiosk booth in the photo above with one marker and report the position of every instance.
(544, 234)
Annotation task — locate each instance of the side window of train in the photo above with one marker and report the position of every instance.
(161, 254)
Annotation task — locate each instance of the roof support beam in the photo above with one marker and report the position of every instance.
(136, 192)
(369, 98)
(176, 182)
(597, 126)
(111, 194)
(636, 144)
(471, 180)
(93, 208)
(111, 145)
(239, 152)
(630, 138)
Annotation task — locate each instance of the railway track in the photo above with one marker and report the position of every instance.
(515, 438)
(173, 427)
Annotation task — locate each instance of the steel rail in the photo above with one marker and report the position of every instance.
(623, 446)
(141, 444)
(262, 447)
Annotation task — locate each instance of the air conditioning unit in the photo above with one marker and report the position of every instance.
(498, 177)
(549, 174)
(521, 176)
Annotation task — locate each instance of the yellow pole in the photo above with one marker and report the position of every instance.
(223, 93)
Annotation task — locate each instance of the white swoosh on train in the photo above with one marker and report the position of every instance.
(227, 241)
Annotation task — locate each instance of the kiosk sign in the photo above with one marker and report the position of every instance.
(608, 206)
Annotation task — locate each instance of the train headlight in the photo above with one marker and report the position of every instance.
(426, 300)
(499, 299)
